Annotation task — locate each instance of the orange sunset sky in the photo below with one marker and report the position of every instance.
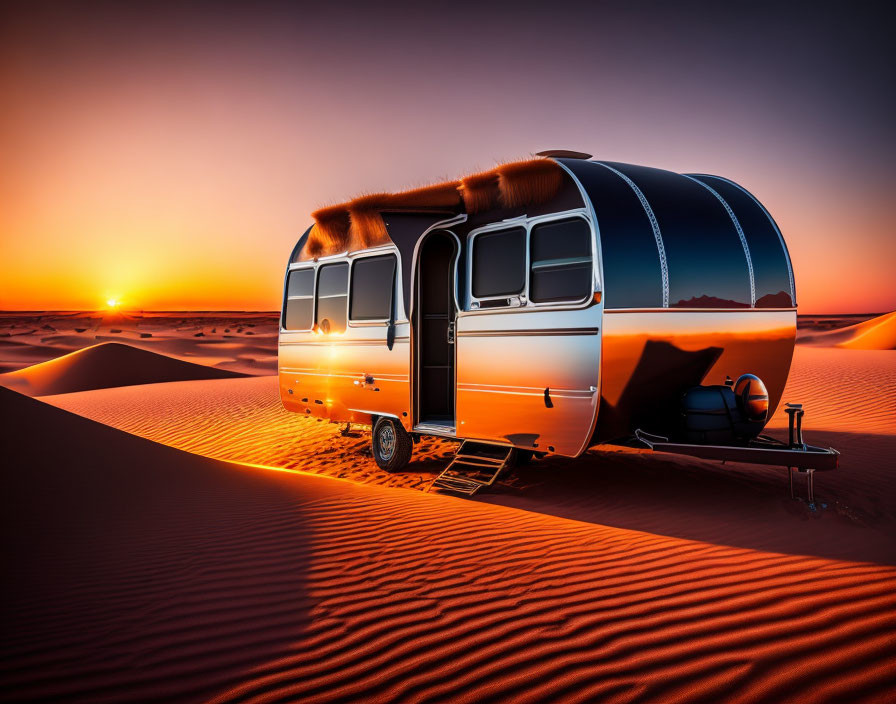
(169, 158)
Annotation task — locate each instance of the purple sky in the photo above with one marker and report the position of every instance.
(170, 157)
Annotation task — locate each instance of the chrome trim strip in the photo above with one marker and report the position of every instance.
(448, 431)
(332, 257)
(774, 225)
(698, 310)
(567, 261)
(657, 235)
(540, 332)
(306, 372)
(740, 233)
(535, 308)
(374, 413)
(529, 391)
(341, 341)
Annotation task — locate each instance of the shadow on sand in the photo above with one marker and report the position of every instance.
(137, 571)
(732, 504)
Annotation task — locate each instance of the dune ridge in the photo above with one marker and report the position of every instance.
(106, 365)
(876, 334)
(225, 583)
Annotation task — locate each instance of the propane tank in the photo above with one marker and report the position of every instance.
(735, 412)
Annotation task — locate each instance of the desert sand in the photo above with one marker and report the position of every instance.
(180, 566)
(141, 572)
(879, 333)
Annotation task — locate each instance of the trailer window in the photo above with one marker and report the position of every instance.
(560, 261)
(332, 297)
(499, 263)
(298, 312)
(373, 280)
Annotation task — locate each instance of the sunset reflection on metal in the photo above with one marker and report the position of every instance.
(562, 313)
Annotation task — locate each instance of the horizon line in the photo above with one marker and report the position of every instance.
(4, 311)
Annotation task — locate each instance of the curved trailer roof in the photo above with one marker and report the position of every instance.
(673, 240)
(666, 240)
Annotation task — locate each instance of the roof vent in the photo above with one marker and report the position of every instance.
(563, 154)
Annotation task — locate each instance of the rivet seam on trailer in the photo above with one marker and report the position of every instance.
(740, 233)
(774, 226)
(664, 267)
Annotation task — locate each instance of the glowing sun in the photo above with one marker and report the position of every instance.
(113, 303)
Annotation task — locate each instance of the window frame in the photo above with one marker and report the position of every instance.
(348, 282)
(472, 304)
(506, 227)
(372, 322)
(349, 258)
(286, 297)
(578, 261)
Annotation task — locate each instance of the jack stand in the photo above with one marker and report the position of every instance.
(795, 413)
(810, 484)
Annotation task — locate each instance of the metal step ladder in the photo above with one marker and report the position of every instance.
(476, 464)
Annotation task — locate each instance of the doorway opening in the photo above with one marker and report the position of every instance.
(435, 314)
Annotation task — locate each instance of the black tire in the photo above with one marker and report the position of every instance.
(524, 457)
(391, 445)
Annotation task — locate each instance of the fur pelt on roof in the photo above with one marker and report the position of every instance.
(480, 191)
(366, 226)
(531, 182)
(359, 224)
(330, 231)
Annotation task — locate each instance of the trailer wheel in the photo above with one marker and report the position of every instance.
(524, 457)
(391, 444)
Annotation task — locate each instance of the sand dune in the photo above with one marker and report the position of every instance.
(240, 341)
(144, 573)
(242, 420)
(103, 366)
(876, 334)
(133, 571)
(845, 393)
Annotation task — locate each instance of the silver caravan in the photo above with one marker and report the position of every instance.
(544, 306)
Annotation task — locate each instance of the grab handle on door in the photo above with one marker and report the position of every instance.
(451, 333)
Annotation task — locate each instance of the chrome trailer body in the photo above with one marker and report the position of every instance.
(690, 283)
